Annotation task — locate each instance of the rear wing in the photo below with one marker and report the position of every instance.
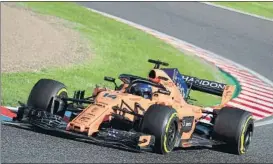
(203, 85)
(225, 91)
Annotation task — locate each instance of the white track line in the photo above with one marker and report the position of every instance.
(263, 122)
(238, 11)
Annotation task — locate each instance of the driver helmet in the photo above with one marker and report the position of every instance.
(144, 90)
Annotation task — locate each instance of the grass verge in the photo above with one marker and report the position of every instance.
(259, 8)
(119, 48)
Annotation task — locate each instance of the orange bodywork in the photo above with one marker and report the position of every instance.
(226, 97)
(90, 119)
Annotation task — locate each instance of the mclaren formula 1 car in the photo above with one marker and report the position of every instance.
(143, 114)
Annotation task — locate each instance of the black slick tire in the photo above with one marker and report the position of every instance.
(42, 93)
(234, 127)
(162, 122)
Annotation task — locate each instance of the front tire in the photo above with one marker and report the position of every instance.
(42, 93)
(235, 127)
(162, 122)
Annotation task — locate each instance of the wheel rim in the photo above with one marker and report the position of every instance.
(62, 94)
(248, 137)
(171, 135)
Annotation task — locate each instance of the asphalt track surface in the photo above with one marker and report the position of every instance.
(243, 39)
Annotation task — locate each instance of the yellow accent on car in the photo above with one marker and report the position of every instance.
(165, 136)
(242, 150)
(62, 90)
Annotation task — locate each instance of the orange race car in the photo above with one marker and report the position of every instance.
(151, 114)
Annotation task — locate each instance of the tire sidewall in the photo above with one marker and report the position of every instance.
(245, 124)
(172, 118)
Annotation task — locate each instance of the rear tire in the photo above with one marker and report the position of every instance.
(41, 95)
(162, 122)
(235, 127)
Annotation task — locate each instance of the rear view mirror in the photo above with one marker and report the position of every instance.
(111, 79)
